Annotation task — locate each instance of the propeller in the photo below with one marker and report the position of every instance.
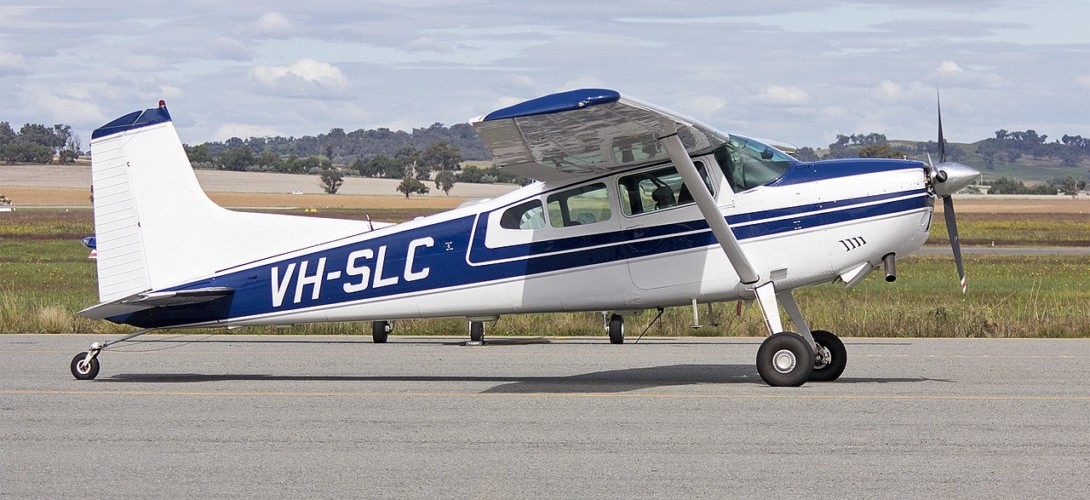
(946, 179)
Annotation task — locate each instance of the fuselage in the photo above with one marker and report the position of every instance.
(600, 242)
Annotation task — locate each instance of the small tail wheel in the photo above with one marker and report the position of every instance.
(83, 368)
(831, 358)
(785, 360)
(476, 331)
(616, 329)
(380, 331)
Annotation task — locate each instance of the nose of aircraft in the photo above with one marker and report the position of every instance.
(956, 176)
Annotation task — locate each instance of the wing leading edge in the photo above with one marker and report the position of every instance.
(586, 131)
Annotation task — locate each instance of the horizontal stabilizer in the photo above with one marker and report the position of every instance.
(148, 300)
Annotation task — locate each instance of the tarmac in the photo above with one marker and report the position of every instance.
(428, 417)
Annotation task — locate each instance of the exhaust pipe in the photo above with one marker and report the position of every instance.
(891, 267)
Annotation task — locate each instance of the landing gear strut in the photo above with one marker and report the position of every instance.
(788, 359)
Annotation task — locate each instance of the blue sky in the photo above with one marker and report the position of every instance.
(797, 71)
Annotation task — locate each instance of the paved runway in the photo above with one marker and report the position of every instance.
(571, 418)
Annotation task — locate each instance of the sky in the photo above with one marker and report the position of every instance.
(797, 71)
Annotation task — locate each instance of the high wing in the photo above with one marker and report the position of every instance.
(586, 131)
(589, 131)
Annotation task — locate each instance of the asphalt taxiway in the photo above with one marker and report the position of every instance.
(291, 416)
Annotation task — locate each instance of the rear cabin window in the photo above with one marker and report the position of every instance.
(529, 215)
(580, 206)
(656, 189)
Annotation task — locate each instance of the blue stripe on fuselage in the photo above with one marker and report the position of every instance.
(452, 259)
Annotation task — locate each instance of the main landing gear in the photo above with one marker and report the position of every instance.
(380, 331)
(789, 360)
(616, 329)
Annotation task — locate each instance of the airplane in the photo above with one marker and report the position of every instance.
(635, 208)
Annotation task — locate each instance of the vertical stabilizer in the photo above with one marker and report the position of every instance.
(155, 226)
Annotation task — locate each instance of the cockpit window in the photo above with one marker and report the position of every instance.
(656, 189)
(748, 163)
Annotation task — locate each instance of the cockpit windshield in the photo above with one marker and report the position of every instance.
(748, 163)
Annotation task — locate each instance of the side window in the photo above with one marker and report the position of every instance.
(580, 206)
(656, 189)
(529, 215)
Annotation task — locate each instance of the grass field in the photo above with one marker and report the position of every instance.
(45, 278)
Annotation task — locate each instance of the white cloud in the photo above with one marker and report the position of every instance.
(12, 63)
(426, 44)
(224, 47)
(702, 106)
(304, 78)
(889, 92)
(275, 25)
(1083, 81)
(62, 104)
(781, 95)
(521, 82)
(950, 73)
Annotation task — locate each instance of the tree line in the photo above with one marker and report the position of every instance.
(37, 143)
(436, 152)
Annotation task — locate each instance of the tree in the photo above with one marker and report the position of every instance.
(200, 153)
(409, 160)
(331, 180)
(880, 151)
(7, 135)
(440, 156)
(379, 166)
(410, 184)
(238, 158)
(806, 154)
(445, 180)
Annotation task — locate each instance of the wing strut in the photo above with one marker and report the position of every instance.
(709, 209)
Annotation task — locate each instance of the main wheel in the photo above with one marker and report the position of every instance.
(380, 330)
(829, 368)
(84, 370)
(616, 329)
(785, 360)
(476, 331)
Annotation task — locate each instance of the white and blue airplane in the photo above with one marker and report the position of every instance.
(637, 208)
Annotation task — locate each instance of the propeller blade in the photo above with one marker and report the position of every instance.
(955, 243)
(942, 142)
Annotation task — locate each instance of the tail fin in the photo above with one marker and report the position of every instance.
(156, 228)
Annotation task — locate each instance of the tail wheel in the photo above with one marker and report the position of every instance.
(785, 360)
(380, 331)
(616, 329)
(832, 357)
(83, 368)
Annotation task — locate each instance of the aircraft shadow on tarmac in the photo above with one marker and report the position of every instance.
(609, 381)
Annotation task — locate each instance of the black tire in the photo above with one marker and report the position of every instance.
(380, 331)
(84, 371)
(830, 371)
(616, 329)
(476, 331)
(785, 360)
